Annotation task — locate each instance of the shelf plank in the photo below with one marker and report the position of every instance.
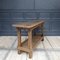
(35, 41)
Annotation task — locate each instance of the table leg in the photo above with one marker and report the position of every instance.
(30, 43)
(19, 39)
(42, 30)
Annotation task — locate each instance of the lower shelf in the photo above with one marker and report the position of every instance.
(35, 41)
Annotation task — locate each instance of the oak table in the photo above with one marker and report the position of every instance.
(29, 44)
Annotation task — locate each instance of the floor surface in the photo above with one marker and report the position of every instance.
(49, 49)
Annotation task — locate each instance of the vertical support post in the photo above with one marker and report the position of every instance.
(19, 39)
(42, 30)
(30, 42)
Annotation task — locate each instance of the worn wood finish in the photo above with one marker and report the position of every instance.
(30, 26)
(35, 39)
(19, 38)
(30, 42)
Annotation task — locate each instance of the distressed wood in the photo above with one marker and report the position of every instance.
(19, 38)
(30, 26)
(23, 49)
(35, 39)
(30, 42)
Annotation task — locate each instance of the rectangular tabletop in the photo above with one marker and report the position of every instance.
(28, 24)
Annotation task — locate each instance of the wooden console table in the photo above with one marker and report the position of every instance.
(30, 43)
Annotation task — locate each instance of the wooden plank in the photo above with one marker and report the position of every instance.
(47, 46)
(41, 53)
(35, 41)
(23, 49)
(55, 42)
(52, 41)
(28, 24)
